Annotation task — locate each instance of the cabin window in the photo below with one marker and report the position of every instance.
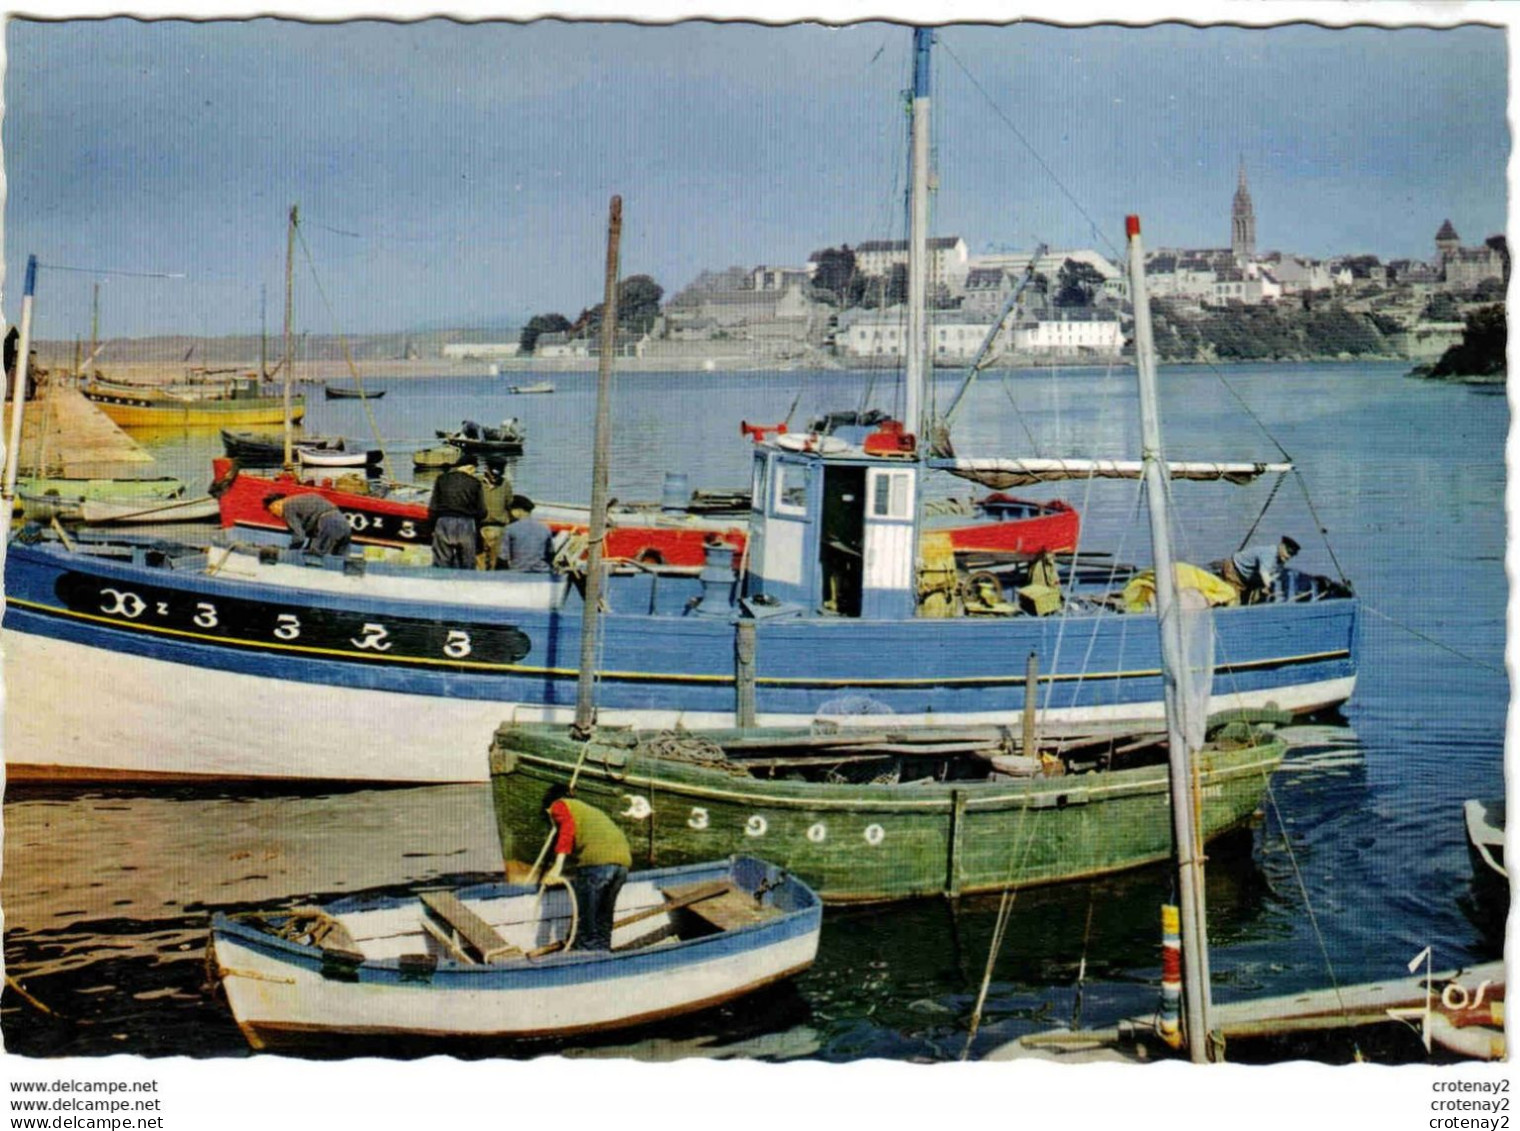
(757, 487)
(889, 497)
(791, 488)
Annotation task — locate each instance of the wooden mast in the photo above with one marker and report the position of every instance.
(263, 332)
(290, 253)
(1195, 940)
(94, 325)
(918, 237)
(585, 707)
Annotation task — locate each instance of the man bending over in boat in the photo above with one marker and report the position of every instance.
(315, 524)
(599, 854)
(1257, 571)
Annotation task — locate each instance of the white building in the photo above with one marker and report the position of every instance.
(484, 351)
(947, 260)
(956, 338)
(1170, 274)
(560, 345)
(1049, 265)
(1250, 287)
(1296, 274)
(1070, 332)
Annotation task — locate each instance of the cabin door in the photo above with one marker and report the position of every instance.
(841, 546)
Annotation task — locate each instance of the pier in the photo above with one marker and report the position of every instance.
(63, 433)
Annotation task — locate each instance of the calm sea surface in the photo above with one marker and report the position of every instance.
(1360, 864)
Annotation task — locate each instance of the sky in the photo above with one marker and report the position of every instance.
(458, 174)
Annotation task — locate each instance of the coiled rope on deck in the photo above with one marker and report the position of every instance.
(694, 749)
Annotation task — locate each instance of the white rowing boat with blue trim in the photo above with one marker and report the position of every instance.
(488, 961)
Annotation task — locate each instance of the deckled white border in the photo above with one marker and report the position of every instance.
(581, 1095)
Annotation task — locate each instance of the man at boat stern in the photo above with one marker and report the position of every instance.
(457, 507)
(315, 524)
(598, 852)
(1256, 571)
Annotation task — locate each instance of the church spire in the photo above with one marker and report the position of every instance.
(1242, 221)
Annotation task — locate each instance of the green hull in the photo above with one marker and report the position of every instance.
(162, 487)
(865, 843)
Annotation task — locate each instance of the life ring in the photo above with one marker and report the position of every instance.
(811, 442)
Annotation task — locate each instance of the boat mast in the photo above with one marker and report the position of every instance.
(585, 688)
(263, 332)
(290, 357)
(1195, 941)
(18, 382)
(95, 325)
(918, 235)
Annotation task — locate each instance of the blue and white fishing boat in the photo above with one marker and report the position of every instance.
(155, 661)
(490, 961)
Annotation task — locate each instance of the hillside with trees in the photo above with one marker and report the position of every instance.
(638, 305)
(1480, 353)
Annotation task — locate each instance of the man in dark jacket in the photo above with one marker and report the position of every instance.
(457, 507)
(315, 524)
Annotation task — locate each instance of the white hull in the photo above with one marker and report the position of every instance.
(269, 998)
(147, 511)
(175, 722)
(664, 962)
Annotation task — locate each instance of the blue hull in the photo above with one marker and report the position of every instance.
(656, 668)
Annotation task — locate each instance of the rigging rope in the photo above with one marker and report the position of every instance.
(1303, 891)
(1040, 161)
(1418, 635)
(343, 340)
(1017, 862)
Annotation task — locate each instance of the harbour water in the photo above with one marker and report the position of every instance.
(1359, 864)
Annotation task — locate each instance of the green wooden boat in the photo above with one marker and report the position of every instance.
(71, 487)
(881, 815)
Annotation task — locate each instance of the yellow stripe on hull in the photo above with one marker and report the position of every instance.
(215, 413)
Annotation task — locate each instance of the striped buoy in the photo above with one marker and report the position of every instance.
(1169, 1024)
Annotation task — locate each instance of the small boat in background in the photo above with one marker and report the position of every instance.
(267, 449)
(308, 457)
(445, 456)
(485, 442)
(536, 387)
(339, 393)
(490, 961)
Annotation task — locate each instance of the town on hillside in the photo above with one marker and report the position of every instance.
(845, 305)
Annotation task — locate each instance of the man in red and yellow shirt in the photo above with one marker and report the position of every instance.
(599, 854)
